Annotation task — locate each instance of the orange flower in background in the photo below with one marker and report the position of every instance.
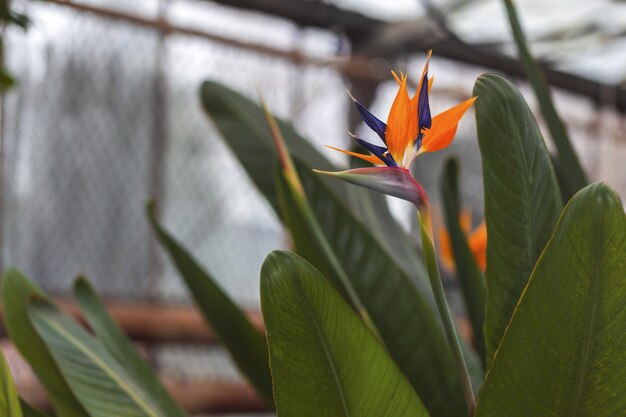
(476, 240)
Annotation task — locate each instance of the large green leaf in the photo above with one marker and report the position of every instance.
(9, 401)
(17, 290)
(244, 342)
(563, 354)
(244, 127)
(471, 279)
(101, 384)
(122, 350)
(325, 362)
(570, 173)
(522, 199)
(404, 319)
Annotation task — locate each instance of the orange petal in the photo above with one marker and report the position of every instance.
(369, 158)
(477, 242)
(398, 79)
(444, 127)
(398, 123)
(465, 220)
(445, 250)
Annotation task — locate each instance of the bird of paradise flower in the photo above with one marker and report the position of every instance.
(409, 132)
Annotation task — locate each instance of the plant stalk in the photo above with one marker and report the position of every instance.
(430, 258)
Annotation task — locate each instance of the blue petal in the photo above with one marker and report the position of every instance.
(379, 151)
(371, 121)
(423, 107)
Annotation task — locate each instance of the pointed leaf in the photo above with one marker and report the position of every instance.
(244, 342)
(17, 290)
(563, 353)
(404, 318)
(102, 385)
(9, 401)
(568, 168)
(122, 350)
(471, 279)
(325, 362)
(522, 199)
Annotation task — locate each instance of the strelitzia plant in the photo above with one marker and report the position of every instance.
(409, 132)
(350, 327)
(320, 334)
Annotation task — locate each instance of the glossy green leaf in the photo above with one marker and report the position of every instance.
(563, 354)
(570, 173)
(121, 349)
(522, 199)
(243, 125)
(325, 362)
(244, 342)
(101, 384)
(9, 401)
(471, 279)
(404, 319)
(17, 290)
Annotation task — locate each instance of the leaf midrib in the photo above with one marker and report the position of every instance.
(532, 226)
(87, 352)
(318, 332)
(590, 323)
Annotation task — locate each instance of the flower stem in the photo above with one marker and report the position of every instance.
(430, 258)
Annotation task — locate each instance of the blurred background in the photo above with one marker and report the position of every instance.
(105, 115)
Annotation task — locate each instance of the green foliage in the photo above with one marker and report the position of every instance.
(7, 80)
(324, 360)
(17, 291)
(245, 344)
(9, 401)
(522, 199)
(554, 318)
(407, 325)
(101, 384)
(121, 349)
(563, 353)
(568, 169)
(311, 243)
(8, 16)
(471, 279)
